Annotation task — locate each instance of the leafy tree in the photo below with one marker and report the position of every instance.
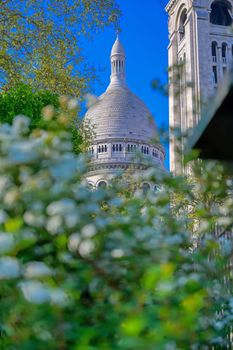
(41, 42)
(104, 269)
(22, 99)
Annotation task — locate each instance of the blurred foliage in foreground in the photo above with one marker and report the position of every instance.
(107, 269)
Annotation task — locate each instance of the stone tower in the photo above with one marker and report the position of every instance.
(200, 53)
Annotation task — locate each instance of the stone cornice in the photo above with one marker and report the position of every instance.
(171, 4)
(110, 168)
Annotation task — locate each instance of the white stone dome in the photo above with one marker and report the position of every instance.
(123, 126)
(119, 113)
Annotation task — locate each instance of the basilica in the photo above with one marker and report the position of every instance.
(200, 53)
(123, 127)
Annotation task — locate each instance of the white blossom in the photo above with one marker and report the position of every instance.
(4, 183)
(74, 241)
(3, 216)
(57, 296)
(6, 242)
(62, 207)
(88, 231)
(37, 269)
(117, 253)
(54, 225)
(71, 219)
(86, 247)
(35, 292)
(21, 124)
(24, 151)
(9, 268)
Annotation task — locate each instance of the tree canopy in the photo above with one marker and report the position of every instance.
(41, 42)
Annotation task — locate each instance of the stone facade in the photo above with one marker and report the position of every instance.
(122, 126)
(200, 52)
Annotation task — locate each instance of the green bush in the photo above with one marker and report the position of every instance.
(23, 100)
(111, 268)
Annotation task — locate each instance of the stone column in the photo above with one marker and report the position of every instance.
(219, 63)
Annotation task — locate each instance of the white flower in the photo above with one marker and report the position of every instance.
(9, 268)
(3, 216)
(88, 231)
(5, 129)
(11, 196)
(117, 253)
(21, 124)
(66, 168)
(35, 292)
(74, 241)
(37, 269)
(54, 225)
(86, 247)
(4, 183)
(6, 242)
(71, 219)
(57, 296)
(224, 221)
(62, 207)
(24, 151)
(33, 219)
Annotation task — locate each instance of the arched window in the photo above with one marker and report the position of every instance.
(90, 185)
(183, 18)
(214, 46)
(105, 148)
(102, 149)
(221, 13)
(99, 149)
(224, 53)
(102, 184)
(145, 187)
(128, 148)
(113, 148)
(120, 148)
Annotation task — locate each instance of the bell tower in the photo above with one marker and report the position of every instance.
(200, 53)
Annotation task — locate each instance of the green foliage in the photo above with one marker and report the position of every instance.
(41, 42)
(23, 100)
(105, 269)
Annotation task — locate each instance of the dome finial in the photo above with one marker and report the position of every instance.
(117, 62)
(117, 34)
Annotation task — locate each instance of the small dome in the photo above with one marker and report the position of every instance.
(118, 113)
(117, 48)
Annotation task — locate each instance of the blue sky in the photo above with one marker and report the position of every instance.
(145, 39)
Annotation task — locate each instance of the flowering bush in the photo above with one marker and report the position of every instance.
(105, 269)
